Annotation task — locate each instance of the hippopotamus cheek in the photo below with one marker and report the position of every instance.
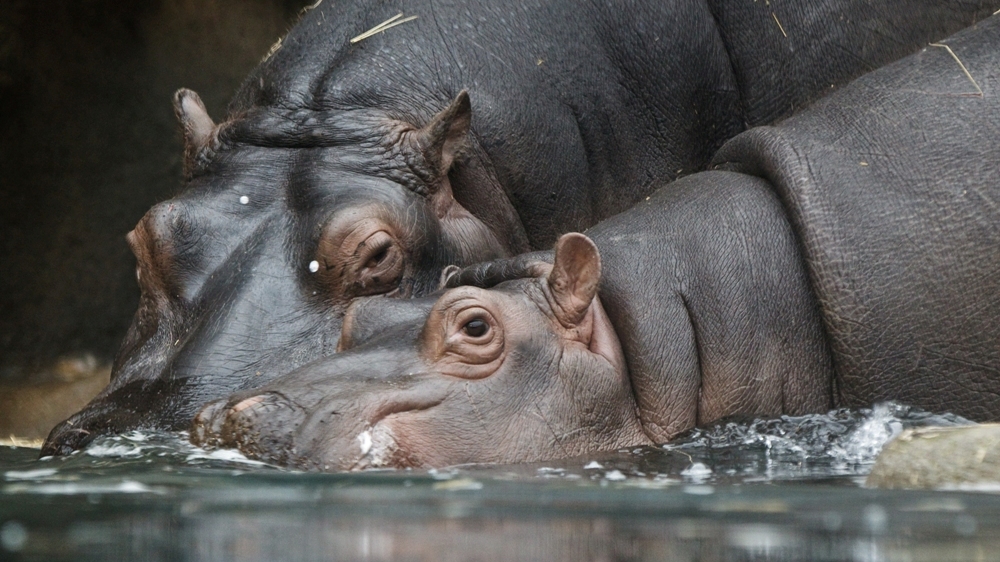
(407, 439)
(431, 438)
(357, 447)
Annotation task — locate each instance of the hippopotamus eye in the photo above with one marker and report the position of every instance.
(379, 257)
(381, 261)
(359, 258)
(464, 335)
(476, 328)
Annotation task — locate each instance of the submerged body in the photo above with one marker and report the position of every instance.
(473, 132)
(848, 256)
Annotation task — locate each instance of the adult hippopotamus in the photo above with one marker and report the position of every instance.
(849, 255)
(353, 166)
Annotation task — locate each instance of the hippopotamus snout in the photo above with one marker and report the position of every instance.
(338, 414)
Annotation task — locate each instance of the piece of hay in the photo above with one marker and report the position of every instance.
(310, 7)
(391, 22)
(274, 49)
(979, 91)
(781, 27)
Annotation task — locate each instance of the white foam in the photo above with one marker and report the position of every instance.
(442, 474)
(988, 487)
(458, 484)
(593, 465)
(697, 470)
(614, 476)
(229, 455)
(76, 488)
(866, 442)
(111, 450)
(29, 474)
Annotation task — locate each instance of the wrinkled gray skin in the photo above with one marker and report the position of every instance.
(368, 161)
(847, 256)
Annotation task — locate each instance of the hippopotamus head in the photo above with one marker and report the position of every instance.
(287, 218)
(527, 370)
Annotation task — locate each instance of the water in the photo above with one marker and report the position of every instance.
(786, 489)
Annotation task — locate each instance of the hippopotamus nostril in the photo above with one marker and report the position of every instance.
(260, 426)
(207, 424)
(65, 439)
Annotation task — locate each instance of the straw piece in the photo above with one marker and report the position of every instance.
(775, 16)
(979, 91)
(274, 49)
(391, 22)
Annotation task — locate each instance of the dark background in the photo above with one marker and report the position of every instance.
(88, 142)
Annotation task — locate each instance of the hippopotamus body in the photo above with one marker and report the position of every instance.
(848, 255)
(355, 167)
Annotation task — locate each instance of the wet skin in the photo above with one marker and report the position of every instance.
(346, 170)
(790, 280)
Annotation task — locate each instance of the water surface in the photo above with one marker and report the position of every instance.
(786, 489)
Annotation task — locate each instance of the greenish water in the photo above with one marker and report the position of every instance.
(786, 489)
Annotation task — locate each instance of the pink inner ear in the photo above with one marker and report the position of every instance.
(575, 276)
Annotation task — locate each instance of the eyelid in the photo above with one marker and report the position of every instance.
(468, 314)
(382, 244)
(382, 240)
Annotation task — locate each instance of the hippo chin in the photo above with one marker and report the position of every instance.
(847, 256)
(355, 167)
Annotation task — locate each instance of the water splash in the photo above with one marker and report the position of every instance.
(865, 442)
(840, 443)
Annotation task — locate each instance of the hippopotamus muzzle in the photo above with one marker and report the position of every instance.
(329, 415)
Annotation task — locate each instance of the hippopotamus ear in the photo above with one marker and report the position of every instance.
(574, 277)
(196, 125)
(442, 138)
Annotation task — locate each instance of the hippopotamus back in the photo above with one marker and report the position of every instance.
(580, 109)
(893, 188)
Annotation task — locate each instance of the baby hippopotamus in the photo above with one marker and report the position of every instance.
(848, 255)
